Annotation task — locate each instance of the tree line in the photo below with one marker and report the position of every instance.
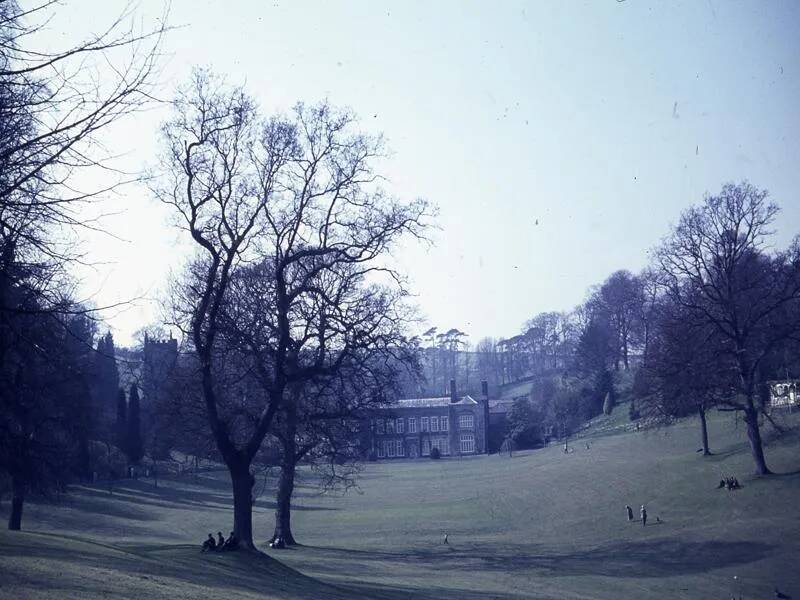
(54, 106)
(707, 324)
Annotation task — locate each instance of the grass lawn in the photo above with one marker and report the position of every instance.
(542, 524)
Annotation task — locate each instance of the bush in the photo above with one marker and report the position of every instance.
(435, 454)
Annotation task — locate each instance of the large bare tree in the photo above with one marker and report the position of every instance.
(294, 199)
(54, 106)
(717, 266)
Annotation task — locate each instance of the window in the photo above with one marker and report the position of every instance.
(412, 425)
(381, 453)
(389, 448)
(426, 447)
(434, 423)
(423, 422)
(466, 421)
(400, 425)
(443, 444)
(467, 443)
(401, 451)
(444, 423)
(389, 425)
(380, 428)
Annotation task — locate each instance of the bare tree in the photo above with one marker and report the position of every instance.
(715, 266)
(684, 372)
(620, 301)
(297, 195)
(53, 107)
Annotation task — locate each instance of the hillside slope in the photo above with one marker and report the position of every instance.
(543, 524)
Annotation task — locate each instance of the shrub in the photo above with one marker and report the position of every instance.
(633, 412)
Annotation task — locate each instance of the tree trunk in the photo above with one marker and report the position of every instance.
(17, 500)
(283, 508)
(704, 430)
(242, 481)
(754, 435)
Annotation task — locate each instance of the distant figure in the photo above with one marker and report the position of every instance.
(277, 543)
(220, 541)
(231, 543)
(658, 519)
(587, 445)
(721, 484)
(629, 510)
(644, 515)
(209, 545)
(444, 541)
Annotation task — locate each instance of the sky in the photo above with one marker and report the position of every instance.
(559, 140)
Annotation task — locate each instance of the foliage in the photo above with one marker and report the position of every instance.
(121, 424)
(134, 448)
(524, 424)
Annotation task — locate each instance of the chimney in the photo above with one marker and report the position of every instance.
(485, 389)
(453, 394)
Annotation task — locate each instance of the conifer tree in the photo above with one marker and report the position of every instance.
(121, 429)
(133, 445)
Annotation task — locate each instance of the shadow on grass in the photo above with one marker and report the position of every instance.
(650, 558)
(132, 494)
(217, 574)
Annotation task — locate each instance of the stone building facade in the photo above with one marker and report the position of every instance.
(411, 428)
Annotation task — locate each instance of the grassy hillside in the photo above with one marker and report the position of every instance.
(542, 524)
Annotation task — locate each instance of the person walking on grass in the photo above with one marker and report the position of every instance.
(629, 510)
(644, 516)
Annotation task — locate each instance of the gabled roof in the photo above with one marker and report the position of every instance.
(433, 402)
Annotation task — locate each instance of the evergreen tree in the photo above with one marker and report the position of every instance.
(106, 387)
(133, 445)
(121, 429)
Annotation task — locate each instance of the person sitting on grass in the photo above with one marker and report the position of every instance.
(209, 545)
(231, 543)
(220, 541)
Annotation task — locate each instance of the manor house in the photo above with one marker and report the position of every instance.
(412, 428)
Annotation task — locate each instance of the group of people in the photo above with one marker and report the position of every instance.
(729, 483)
(642, 512)
(220, 544)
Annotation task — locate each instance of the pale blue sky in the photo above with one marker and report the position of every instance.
(603, 120)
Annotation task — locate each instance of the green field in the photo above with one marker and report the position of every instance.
(542, 524)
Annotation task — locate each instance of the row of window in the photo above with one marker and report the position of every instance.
(433, 424)
(396, 448)
(391, 448)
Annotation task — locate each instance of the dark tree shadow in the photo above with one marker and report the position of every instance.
(648, 558)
